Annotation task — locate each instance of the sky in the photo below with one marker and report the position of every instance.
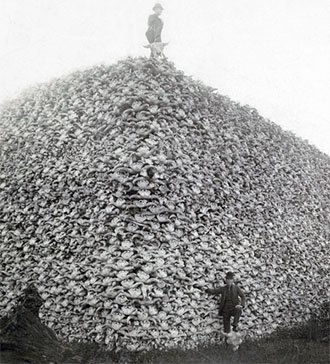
(273, 55)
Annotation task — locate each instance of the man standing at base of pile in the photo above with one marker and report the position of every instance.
(232, 302)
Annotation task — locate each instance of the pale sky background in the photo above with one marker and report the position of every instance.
(273, 55)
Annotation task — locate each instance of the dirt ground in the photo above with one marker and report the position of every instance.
(279, 351)
(267, 351)
(24, 339)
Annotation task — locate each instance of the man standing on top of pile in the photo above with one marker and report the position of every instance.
(232, 302)
(155, 25)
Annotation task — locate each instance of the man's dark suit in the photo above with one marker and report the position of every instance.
(226, 311)
(155, 26)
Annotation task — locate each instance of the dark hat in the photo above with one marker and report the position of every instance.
(229, 275)
(157, 6)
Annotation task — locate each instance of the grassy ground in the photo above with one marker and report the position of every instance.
(307, 344)
(271, 351)
(279, 351)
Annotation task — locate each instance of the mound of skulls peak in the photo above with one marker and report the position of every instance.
(128, 190)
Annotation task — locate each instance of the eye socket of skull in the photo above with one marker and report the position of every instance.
(151, 171)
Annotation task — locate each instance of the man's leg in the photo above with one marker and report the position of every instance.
(237, 314)
(226, 321)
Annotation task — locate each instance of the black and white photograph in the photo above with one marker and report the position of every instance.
(164, 182)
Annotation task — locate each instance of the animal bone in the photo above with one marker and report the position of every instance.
(157, 50)
(233, 338)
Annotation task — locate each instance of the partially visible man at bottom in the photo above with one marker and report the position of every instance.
(232, 302)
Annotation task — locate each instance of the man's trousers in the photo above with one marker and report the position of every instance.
(226, 315)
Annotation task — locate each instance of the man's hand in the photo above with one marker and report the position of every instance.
(239, 306)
